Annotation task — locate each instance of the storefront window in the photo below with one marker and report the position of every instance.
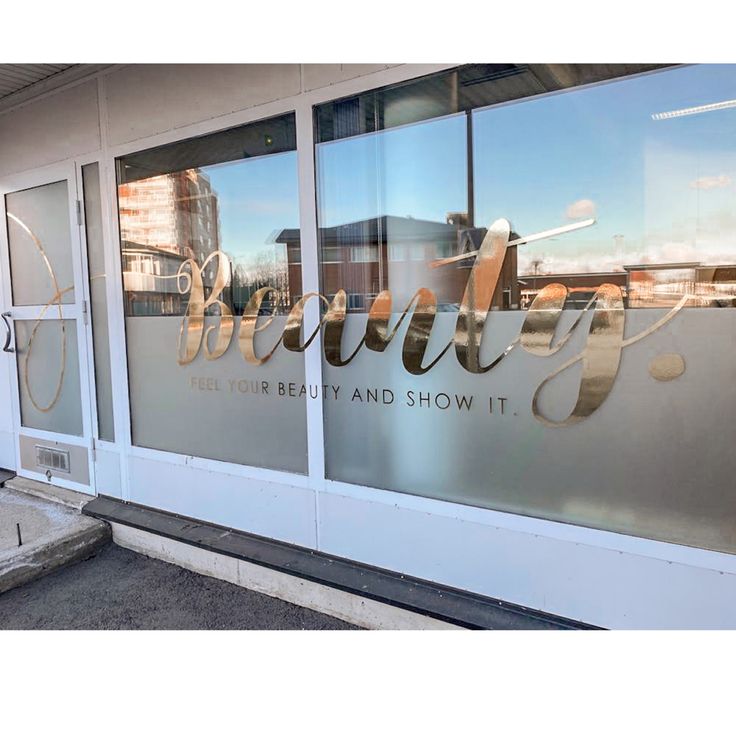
(211, 268)
(537, 280)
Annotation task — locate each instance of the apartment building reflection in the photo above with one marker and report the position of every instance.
(164, 220)
(167, 219)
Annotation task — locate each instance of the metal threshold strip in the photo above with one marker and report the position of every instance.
(451, 605)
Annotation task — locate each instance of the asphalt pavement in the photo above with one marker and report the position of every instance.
(121, 589)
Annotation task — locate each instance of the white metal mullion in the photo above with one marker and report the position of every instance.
(115, 306)
(50, 436)
(7, 303)
(87, 293)
(81, 296)
(94, 434)
(310, 282)
(68, 311)
(116, 325)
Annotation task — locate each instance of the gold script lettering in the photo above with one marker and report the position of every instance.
(601, 357)
(248, 327)
(192, 326)
(334, 326)
(378, 337)
(478, 296)
(293, 330)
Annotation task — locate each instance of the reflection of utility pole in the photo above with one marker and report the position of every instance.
(536, 263)
(469, 154)
(230, 288)
(618, 248)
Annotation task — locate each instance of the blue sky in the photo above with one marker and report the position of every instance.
(662, 184)
(667, 186)
(417, 170)
(255, 197)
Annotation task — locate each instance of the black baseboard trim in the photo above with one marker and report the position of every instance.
(458, 607)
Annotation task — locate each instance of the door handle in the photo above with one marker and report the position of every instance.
(9, 333)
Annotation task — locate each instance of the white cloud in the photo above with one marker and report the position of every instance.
(598, 259)
(711, 182)
(581, 208)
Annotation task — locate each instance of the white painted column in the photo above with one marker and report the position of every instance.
(311, 283)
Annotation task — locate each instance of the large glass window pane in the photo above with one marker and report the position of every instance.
(660, 187)
(394, 215)
(545, 328)
(209, 227)
(98, 296)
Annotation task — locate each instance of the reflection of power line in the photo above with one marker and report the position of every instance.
(544, 235)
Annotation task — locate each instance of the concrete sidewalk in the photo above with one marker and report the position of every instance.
(38, 535)
(103, 586)
(121, 589)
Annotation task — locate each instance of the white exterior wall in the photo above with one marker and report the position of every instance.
(599, 577)
(59, 126)
(135, 102)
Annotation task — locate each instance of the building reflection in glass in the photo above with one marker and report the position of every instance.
(396, 191)
(164, 220)
(230, 192)
(406, 179)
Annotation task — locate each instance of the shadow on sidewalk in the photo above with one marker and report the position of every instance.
(121, 589)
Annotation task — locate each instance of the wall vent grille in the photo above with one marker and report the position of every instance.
(52, 459)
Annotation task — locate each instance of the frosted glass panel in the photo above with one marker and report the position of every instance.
(98, 294)
(40, 245)
(223, 409)
(48, 375)
(210, 243)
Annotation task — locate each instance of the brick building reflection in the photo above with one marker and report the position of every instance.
(389, 252)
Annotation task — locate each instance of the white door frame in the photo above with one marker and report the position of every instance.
(78, 311)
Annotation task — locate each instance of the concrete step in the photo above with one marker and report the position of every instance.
(52, 534)
(48, 492)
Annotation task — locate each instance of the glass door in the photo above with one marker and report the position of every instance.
(45, 324)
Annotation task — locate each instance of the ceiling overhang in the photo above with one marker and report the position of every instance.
(22, 82)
